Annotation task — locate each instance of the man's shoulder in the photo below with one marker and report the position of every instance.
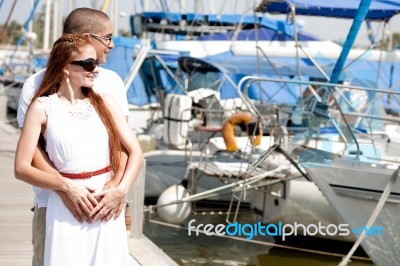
(107, 80)
(107, 72)
(36, 77)
(107, 77)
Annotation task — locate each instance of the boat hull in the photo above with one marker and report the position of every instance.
(353, 189)
(297, 201)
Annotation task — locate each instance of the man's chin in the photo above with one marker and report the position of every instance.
(103, 60)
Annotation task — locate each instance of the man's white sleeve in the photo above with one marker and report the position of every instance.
(119, 94)
(25, 99)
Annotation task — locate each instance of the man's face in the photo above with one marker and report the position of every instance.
(102, 42)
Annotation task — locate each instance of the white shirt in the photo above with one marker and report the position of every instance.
(106, 81)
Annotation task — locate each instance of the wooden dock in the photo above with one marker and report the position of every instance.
(15, 203)
(16, 199)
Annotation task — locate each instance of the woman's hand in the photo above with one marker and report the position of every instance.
(82, 198)
(111, 202)
(79, 214)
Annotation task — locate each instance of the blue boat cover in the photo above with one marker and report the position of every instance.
(257, 34)
(379, 9)
(142, 90)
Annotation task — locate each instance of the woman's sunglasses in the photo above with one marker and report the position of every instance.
(87, 64)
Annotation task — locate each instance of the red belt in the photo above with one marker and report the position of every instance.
(84, 175)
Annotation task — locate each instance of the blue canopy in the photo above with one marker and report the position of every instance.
(379, 9)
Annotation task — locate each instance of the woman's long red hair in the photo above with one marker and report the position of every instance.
(64, 49)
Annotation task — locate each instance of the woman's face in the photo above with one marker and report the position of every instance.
(83, 68)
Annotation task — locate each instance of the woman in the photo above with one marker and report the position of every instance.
(83, 131)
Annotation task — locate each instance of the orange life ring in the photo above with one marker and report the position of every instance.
(229, 128)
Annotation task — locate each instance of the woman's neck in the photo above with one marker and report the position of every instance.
(72, 95)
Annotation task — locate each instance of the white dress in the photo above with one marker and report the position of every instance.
(78, 142)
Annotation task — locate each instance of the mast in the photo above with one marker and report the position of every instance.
(183, 9)
(47, 26)
(104, 7)
(115, 14)
(351, 37)
(56, 20)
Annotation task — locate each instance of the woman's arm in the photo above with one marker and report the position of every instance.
(133, 166)
(31, 166)
(41, 161)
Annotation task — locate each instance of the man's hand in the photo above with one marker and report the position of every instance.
(111, 202)
(79, 214)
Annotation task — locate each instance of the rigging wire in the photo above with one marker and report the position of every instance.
(2, 34)
(26, 27)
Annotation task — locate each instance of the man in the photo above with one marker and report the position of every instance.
(78, 199)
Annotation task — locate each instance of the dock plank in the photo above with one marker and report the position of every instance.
(15, 204)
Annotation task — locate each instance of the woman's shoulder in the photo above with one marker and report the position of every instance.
(43, 99)
(38, 106)
(45, 102)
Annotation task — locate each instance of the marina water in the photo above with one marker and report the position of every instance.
(216, 250)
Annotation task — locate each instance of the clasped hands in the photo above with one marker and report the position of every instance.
(90, 206)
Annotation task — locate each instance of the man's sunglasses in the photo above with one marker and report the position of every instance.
(107, 39)
(87, 64)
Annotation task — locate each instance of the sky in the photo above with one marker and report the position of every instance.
(325, 28)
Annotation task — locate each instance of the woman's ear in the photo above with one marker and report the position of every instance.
(66, 71)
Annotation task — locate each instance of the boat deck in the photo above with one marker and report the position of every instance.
(224, 168)
(227, 165)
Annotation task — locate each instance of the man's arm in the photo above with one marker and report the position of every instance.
(121, 169)
(112, 85)
(133, 165)
(113, 199)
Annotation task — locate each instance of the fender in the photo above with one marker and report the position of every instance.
(177, 115)
(240, 118)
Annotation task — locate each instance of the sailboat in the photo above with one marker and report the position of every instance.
(363, 191)
(359, 183)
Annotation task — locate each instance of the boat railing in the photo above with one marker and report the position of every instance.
(324, 104)
(141, 53)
